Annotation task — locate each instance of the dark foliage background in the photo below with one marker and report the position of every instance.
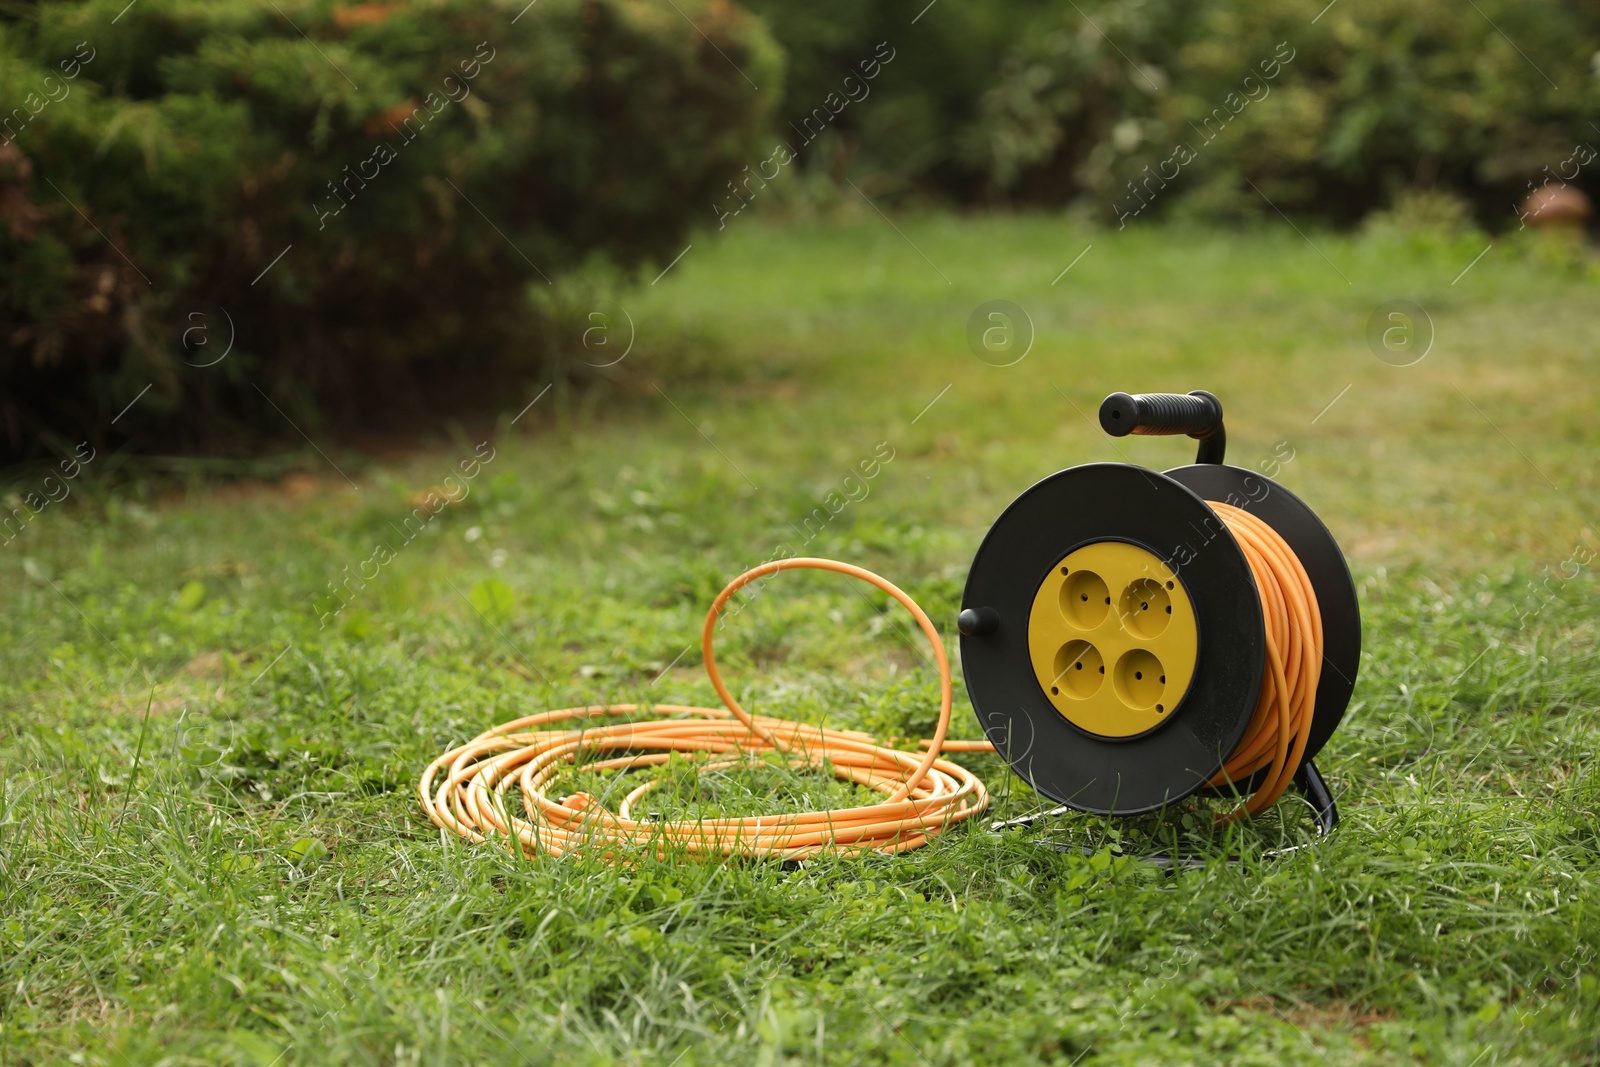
(1049, 103)
(142, 197)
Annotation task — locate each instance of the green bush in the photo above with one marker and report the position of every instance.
(1365, 103)
(1072, 101)
(417, 165)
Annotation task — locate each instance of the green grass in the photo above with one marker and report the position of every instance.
(210, 850)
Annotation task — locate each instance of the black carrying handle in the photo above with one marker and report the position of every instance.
(1197, 414)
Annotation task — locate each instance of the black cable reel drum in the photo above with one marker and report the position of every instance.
(1112, 632)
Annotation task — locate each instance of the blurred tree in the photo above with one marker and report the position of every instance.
(1051, 102)
(1362, 104)
(910, 131)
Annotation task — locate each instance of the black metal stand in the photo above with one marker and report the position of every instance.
(1311, 783)
(1307, 779)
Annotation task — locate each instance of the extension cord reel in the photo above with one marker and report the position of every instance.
(1129, 638)
(1114, 638)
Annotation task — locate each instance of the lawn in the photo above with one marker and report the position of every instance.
(210, 844)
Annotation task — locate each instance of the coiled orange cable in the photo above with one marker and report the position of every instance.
(924, 794)
(465, 790)
(1276, 738)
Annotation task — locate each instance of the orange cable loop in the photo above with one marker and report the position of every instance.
(465, 789)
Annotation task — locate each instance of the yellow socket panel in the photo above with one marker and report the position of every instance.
(1113, 639)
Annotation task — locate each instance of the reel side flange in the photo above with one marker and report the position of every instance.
(1112, 502)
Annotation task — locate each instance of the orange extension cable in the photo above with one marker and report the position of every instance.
(1276, 737)
(923, 794)
(465, 790)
